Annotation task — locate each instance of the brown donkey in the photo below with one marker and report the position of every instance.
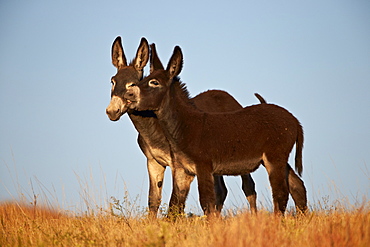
(229, 143)
(152, 140)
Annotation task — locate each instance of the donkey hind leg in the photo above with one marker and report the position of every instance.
(220, 190)
(297, 190)
(156, 175)
(278, 176)
(180, 190)
(249, 190)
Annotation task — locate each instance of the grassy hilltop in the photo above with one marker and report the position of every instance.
(28, 225)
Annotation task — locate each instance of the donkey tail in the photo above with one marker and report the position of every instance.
(260, 98)
(298, 152)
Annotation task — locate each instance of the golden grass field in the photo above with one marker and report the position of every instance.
(28, 225)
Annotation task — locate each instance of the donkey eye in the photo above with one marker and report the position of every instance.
(113, 84)
(153, 83)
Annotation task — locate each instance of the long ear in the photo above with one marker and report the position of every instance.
(155, 63)
(174, 66)
(142, 55)
(118, 55)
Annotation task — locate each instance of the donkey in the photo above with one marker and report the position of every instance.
(152, 140)
(228, 143)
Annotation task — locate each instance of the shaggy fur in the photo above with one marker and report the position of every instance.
(152, 140)
(229, 143)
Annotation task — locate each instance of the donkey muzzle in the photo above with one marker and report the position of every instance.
(116, 108)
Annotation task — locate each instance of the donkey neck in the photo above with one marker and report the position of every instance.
(178, 112)
(147, 124)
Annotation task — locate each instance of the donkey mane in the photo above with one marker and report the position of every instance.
(180, 89)
(182, 86)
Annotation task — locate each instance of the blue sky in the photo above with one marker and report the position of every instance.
(313, 58)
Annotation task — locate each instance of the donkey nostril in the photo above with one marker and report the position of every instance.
(111, 111)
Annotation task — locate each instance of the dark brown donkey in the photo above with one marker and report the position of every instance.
(230, 143)
(152, 140)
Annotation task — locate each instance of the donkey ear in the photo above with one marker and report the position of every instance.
(155, 63)
(118, 55)
(174, 66)
(142, 55)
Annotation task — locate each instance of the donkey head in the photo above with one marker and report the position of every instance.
(127, 76)
(149, 92)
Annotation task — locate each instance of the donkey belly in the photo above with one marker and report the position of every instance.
(240, 167)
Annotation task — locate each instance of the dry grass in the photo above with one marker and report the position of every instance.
(35, 226)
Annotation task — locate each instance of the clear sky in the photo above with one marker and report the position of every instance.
(311, 57)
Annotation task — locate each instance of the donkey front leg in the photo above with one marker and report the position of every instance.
(181, 185)
(207, 196)
(156, 175)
